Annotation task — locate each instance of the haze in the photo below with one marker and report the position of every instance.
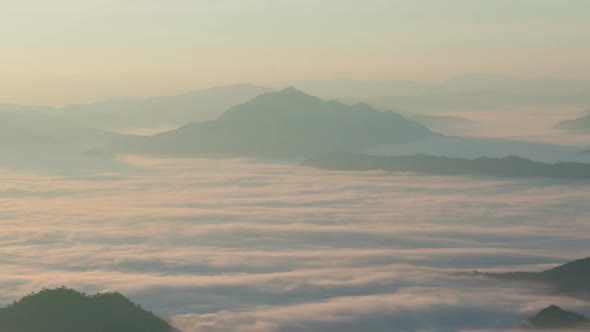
(294, 165)
(64, 51)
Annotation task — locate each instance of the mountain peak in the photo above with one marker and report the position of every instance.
(289, 88)
(362, 106)
(287, 98)
(292, 91)
(286, 123)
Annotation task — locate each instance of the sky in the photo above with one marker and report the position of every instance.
(65, 51)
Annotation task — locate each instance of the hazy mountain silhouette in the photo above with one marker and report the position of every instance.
(66, 310)
(472, 148)
(576, 125)
(288, 123)
(40, 143)
(35, 127)
(512, 166)
(571, 277)
(444, 123)
(475, 91)
(553, 317)
(4, 107)
(160, 112)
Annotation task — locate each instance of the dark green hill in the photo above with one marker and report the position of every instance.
(66, 310)
(553, 317)
(570, 277)
(288, 123)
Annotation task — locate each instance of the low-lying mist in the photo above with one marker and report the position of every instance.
(235, 245)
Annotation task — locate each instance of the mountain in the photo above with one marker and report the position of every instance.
(288, 123)
(41, 143)
(512, 166)
(444, 123)
(32, 127)
(466, 147)
(572, 276)
(468, 92)
(579, 125)
(553, 317)
(4, 107)
(159, 112)
(66, 310)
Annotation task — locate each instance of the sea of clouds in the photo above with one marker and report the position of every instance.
(236, 245)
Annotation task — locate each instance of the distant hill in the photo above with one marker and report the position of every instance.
(66, 310)
(41, 143)
(466, 147)
(33, 127)
(581, 125)
(444, 123)
(512, 166)
(553, 317)
(4, 107)
(468, 92)
(159, 112)
(572, 276)
(288, 123)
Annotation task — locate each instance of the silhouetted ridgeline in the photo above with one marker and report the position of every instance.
(570, 277)
(444, 123)
(157, 112)
(553, 317)
(288, 123)
(467, 92)
(39, 128)
(576, 125)
(66, 310)
(512, 166)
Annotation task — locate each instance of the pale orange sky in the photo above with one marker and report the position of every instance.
(65, 51)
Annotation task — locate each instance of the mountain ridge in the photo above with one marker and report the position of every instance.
(569, 277)
(287, 123)
(511, 166)
(578, 125)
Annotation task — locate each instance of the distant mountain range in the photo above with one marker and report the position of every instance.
(155, 112)
(66, 310)
(41, 143)
(579, 125)
(282, 124)
(41, 128)
(512, 166)
(466, 147)
(469, 92)
(160, 112)
(444, 123)
(288, 123)
(570, 277)
(553, 317)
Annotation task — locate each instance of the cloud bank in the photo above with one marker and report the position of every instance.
(235, 245)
